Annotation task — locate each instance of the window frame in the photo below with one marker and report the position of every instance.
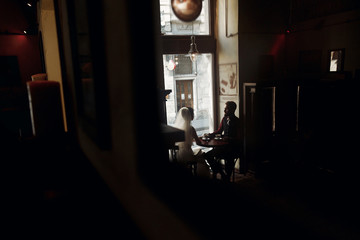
(180, 44)
(205, 43)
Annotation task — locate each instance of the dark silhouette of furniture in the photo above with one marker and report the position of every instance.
(45, 108)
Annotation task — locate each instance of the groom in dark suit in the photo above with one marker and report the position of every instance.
(231, 131)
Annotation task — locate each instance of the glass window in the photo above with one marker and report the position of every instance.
(185, 65)
(192, 86)
(171, 25)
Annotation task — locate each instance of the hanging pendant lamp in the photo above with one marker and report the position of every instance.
(193, 52)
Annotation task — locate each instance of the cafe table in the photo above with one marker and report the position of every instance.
(215, 143)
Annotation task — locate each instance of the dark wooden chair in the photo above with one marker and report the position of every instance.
(234, 169)
(39, 76)
(233, 172)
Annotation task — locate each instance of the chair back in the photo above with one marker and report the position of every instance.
(39, 76)
(45, 108)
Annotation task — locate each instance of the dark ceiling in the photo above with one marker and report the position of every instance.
(17, 16)
(302, 10)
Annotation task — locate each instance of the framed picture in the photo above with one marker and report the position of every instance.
(336, 60)
(228, 79)
(90, 80)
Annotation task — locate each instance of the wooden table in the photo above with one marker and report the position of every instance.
(217, 143)
(214, 142)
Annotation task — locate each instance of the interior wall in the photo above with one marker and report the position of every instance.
(26, 48)
(325, 104)
(331, 32)
(13, 41)
(14, 106)
(226, 34)
(262, 27)
(47, 26)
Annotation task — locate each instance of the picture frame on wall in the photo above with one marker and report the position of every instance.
(336, 60)
(228, 85)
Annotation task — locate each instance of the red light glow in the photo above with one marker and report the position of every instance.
(279, 42)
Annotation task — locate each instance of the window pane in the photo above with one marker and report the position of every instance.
(183, 65)
(171, 25)
(197, 88)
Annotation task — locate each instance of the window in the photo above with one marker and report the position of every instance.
(192, 86)
(171, 25)
(185, 66)
(191, 83)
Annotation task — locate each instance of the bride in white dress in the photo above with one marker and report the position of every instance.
(186, 153)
